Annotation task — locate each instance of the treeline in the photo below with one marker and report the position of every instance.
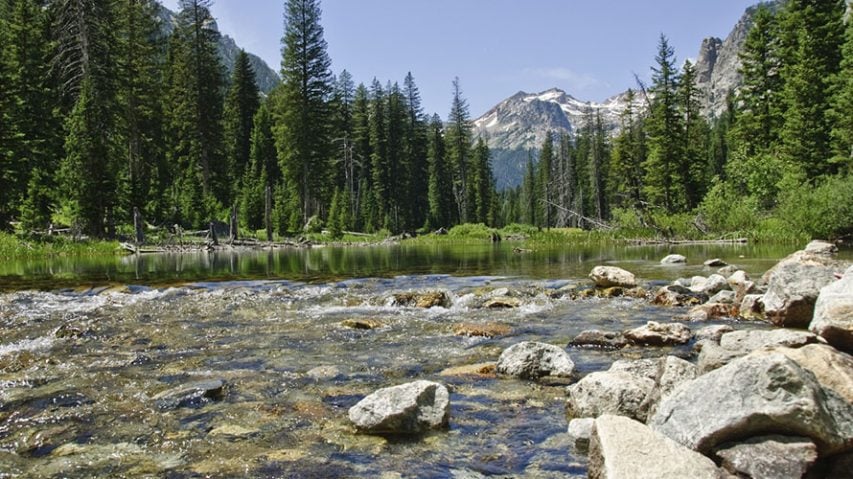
(779, 157)
(102, 114)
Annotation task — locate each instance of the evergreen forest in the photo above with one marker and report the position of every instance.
(103, 116)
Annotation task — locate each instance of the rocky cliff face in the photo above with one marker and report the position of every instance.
(266, 77)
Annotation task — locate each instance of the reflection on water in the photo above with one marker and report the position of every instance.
(320, 264)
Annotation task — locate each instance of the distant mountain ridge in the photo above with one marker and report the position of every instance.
(515, 128)
(266, 77)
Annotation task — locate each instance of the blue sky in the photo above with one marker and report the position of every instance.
(589, 48)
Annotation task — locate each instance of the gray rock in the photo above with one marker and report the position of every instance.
(755, 395)
(192, 395)
(607, 276)
(740, 283)
(713, 333)
(793, 286)
(727, 271)
(752, 307)
(629, 388)
(674, 259)
(711, 311)
(769, 457)
(533, 360)
(599, 339)
(659, 334)
(610, 392)
(580, 430)
(683, 282)
(621, 448)
(833, 316)
(715, 263)
(723, 297)
(740, 343)
(711, 285)
(411, 408)
(821, 247)
(675, 295)
(832, 368)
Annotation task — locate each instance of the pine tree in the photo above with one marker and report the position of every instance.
(89, 173)
(458, 137)
(8, 167)
(692, 167)
(760, 111)
(528, 193)
(398, 206)
(598, 162)
(262, 172)
(379, 167)
(302, 114)
(815, 34)
(627, 156)
(194, 97)
(440, 180)
(342, 126)
(665, 132)
(544, 183)
(417, 174)
(241, 105)
(482, 183)
(842, 105)
(140, 58)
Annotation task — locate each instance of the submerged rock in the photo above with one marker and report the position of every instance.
(757, 394)
(769, 457)
(621, 448)
(486, 370)
(487, 330)
(833, 316)
(502, 302)
(599, 339)
(411, 408)
(361, 323)
(533, 360)
(422, 300)
(191, 395)
(674, 259)
(659, 334)
(607, 276)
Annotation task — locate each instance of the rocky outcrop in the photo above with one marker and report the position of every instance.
(411, 408)
(833, 316)
(533, 360)
(752, 396)
(607, 276)
(659, 334)
(769, 457)
(621, 448)
(740, 343)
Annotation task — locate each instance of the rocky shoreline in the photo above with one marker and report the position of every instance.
(775, 403)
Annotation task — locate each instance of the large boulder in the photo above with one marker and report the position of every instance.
(769, 457)
(833, 315)
(621, 448)
(673, 259)
(533, 360)
(629, 388)
(832, 368)
(411, 408)
(659, 334)
(608, 276)
(755, 395)
(793, 286)
(740, 343)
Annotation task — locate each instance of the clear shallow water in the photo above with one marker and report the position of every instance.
(323, 264)
(79, 371)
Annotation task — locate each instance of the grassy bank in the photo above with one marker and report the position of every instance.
(12, 246)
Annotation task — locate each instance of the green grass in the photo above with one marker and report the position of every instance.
(12, 246)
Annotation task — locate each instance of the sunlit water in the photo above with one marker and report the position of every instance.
(79, 367)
